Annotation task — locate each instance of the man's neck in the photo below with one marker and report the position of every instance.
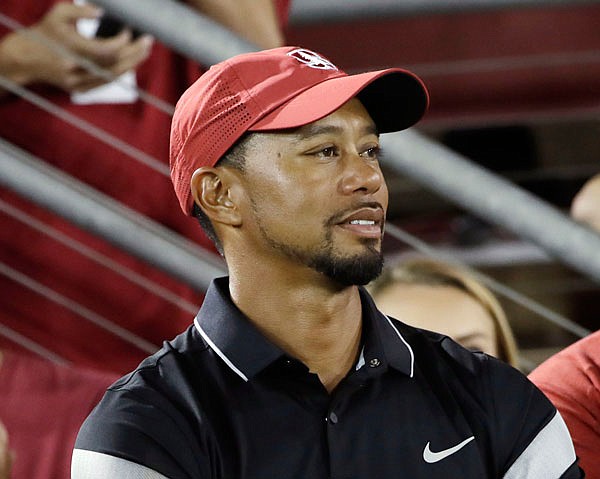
(310, 318)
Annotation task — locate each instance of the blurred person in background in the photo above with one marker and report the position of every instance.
(585, 207)
(571, 378)
(42, 405)
(27, 56)
(152, 67)
(446, 298)
(6, 456)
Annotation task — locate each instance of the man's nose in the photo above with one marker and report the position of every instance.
(360, 175)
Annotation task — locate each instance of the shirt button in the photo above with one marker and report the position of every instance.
(333, 417)
(374, 362)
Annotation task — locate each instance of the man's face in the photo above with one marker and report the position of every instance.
(316, 196)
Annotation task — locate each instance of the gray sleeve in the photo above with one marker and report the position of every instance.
(95, 465)
(532, 435)
(526, 435)
(549, 454)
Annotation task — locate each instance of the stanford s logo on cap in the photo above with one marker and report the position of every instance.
(311, 59)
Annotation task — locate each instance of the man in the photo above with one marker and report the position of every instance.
(289, 370)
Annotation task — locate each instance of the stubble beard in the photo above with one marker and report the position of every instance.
(357, 269)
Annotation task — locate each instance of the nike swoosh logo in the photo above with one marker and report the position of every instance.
(430, 457)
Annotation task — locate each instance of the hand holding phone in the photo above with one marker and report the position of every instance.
(110, 26)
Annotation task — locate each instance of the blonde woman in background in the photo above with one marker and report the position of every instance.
(445, 298)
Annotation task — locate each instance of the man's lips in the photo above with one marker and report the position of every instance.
(365, 222)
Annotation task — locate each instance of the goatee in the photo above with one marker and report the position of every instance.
(355, 270)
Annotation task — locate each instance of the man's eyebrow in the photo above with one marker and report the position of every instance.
(310, 130)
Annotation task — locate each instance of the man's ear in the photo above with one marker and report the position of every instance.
(211, 189)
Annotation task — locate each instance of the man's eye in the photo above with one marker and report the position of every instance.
(327, 152)
(372, 152)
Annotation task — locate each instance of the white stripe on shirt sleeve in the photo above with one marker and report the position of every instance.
(95, 465)
(549, 455)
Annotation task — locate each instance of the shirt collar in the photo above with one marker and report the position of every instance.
(382, 336)
(231, 335)
(247, 352)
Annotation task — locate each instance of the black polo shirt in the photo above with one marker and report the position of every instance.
(221, 401)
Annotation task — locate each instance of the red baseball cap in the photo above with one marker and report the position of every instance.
(277, 89)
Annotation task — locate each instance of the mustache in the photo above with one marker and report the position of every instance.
(340, 215)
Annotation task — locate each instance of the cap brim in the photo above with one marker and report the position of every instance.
(396, 99)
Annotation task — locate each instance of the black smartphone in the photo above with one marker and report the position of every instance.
(110, 26)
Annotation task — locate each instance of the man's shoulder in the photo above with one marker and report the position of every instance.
(473, 374)
(168, 367)
(160, 380)
(152, 409)
(511, 418)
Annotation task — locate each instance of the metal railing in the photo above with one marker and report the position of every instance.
(180, 27)
(314, 11)
(109, 219)
(489, 196)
